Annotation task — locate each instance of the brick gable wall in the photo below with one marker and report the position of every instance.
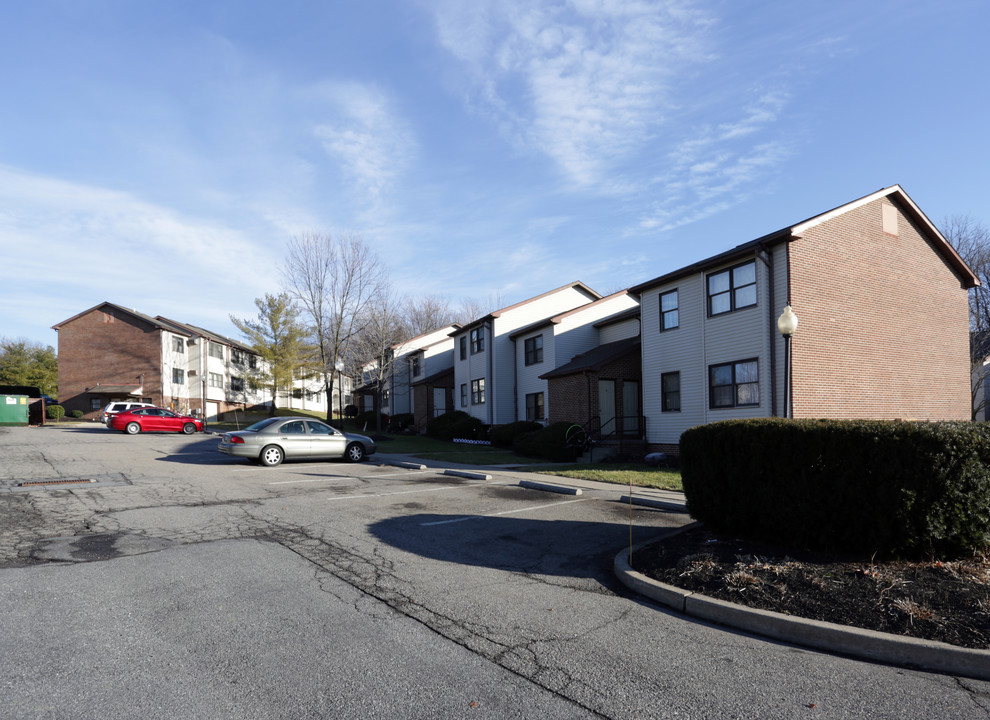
(107, 348)
(884, 322)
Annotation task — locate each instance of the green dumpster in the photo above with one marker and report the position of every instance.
(13, 409)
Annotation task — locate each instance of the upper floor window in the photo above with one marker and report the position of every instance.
(236, 356)
(735, 384)
(216, 350)
(668, 311)
(463, 347)
(237, 384)
(253, 362)
(416, 365)
(216, 380)
(178, 376)
(534, 350)
(178, 344)
(478, 392)
(477, 340)
(732, 289)
(670, 392)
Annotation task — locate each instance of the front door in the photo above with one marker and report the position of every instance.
(630, 407)
(606, 406)
(439, 401)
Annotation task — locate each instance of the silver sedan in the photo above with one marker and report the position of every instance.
(272, 440)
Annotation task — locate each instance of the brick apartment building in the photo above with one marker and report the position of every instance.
(882, 302)
(110, 352)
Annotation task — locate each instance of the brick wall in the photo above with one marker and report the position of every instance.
(884, 322)
(107, 348)
(574, 398)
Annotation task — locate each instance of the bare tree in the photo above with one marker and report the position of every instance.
(382, 329)
(425, 314)
(472, 308)
(279, 339)
(334, 280)
(971, 240)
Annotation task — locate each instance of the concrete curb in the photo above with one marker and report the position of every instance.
(407, 465)
(830, 637)
(652, 502)
(468, 475)
(549, 487)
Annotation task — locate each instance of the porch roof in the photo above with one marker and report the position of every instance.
(596, 358)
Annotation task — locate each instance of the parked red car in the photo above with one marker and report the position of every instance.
(153, 419)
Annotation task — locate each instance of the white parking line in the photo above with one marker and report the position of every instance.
(506, 512)
(398, 492)
(405, 473)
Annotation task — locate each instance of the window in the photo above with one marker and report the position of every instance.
(478, 392)
(236, 384)
(417, 365)
(732, 289)
(670, 392)
(216, 350)
(477, 340)
(735, 384)
(253, 362)
(297, 393)
(463, 347)
(463, 393)
(534, 406)
(216, 380)
(668, 311)
(236, 357)
(534, 350)
(178, 376)
(178, 344)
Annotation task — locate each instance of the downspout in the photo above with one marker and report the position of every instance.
(491, 371)
(515, 380)
(772, 324)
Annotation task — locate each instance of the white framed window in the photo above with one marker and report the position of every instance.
(178, 344)
(216, 380)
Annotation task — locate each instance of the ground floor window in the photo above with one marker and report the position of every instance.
(670, 392)
(534, 406)
(463, 393)
(735, 384)
(478, 392)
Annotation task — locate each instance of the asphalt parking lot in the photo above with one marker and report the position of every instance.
(161, 578)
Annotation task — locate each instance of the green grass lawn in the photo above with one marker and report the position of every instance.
(637, 474)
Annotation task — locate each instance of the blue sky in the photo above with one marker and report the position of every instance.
(159, 154)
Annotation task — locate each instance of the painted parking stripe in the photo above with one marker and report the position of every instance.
(406, 473)
(505, 512)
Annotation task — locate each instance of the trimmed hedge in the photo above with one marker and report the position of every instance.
(886, 487)
(505, 435)
(55, 412)
(549, 442)
(454, 424)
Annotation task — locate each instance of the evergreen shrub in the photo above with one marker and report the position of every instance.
(454, 424)
(504, 435)
(898, 489)
(547, 442)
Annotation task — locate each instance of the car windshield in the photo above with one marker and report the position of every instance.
(262, 424)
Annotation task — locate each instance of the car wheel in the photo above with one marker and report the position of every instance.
(271, 455)
(355, 452)
(188, 428)
(132, 428)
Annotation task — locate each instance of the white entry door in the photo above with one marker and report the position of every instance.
(606, 406)
(439, 401)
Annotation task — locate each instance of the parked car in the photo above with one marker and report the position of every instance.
(120, 406)
(154, 419)
(272, 440)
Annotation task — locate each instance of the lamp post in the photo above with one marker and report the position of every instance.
(787, 323)
(339, 365)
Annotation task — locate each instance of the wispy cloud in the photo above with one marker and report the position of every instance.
(719, 165)
(368, 140)
(584, 81)
(110, 245)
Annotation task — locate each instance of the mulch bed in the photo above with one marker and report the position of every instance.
(933, 600)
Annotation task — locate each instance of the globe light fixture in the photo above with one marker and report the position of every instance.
(787, 325)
